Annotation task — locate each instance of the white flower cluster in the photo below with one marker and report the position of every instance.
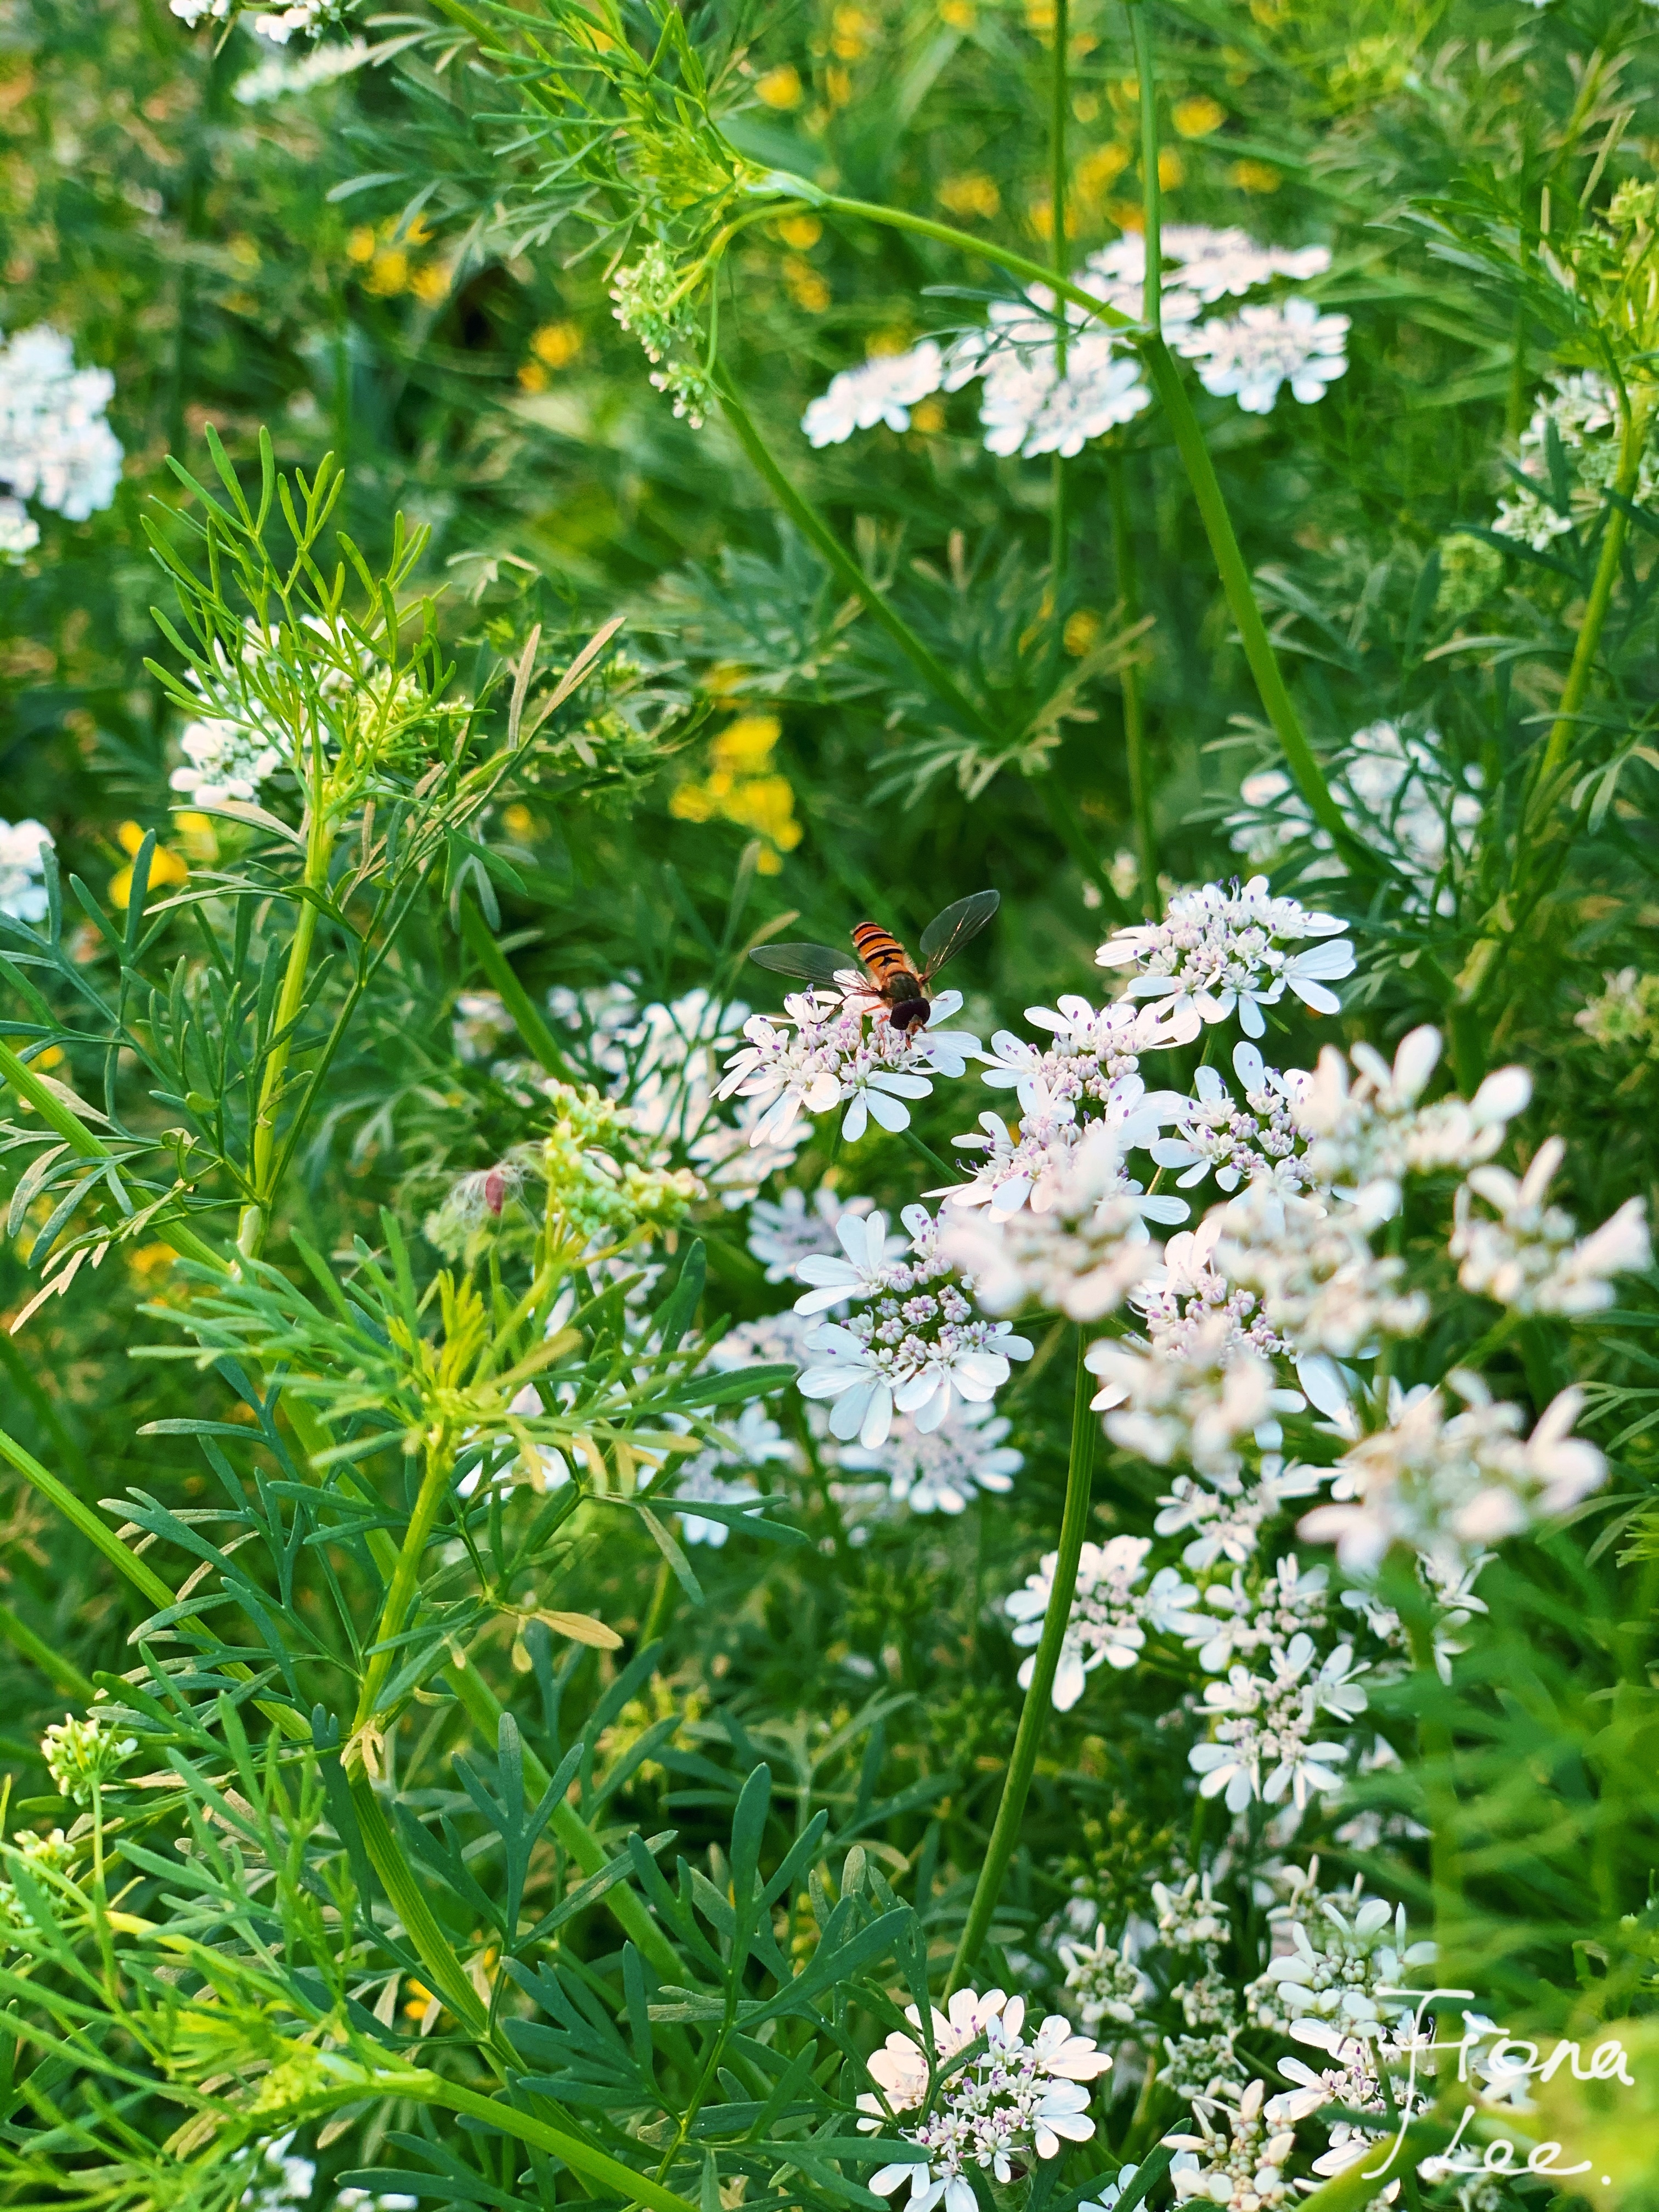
(22, 869)
(1018, 2098)
(1581, 414)
(81, 1755)
(1320, 1287)
(1258, 1140)
(1053, 376)
(1194, 1402)
(1449, 1485)
(1103, 1979)
(1339, 1967)
(1528, 1254)
(1232, 948)
(1235, 2159)
(1081, 1251)
(1110, 1614)
(918, 1345)
(1366, 1131)
(56, 446)
(305, 17)
(942, 1470)
(1398, 793)
(828, 1051)
(1178, 1297)
(1251, 355)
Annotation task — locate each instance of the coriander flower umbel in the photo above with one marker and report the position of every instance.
(1342, 1976)
(942, 1470)
(1094, 1058)
(784, 1231)
(882, 389)
(1263, 1744)
(1321, 1288)
(1110, 1614)
(1082, 1253)
(1366, 1131)
(1214, 262)
(1236, 2161)
(22, 889)
(1446, 1487)
(81, 1755)
(1239, 1142)
(1529, 1258)
(55, 445)
(1229, 947)
(1249, 356)
(1194, 1406)
(1018, 2100)
(916, 1346)
(1104, 1982)
(827, 1051)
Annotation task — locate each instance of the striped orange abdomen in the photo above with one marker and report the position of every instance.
(882, 953)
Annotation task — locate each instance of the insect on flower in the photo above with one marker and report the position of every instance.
(895, 982)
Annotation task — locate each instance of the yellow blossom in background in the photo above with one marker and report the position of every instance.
(885, 345)
(745, 746)
(430, 284)
(1099, 170)
(556, 344)
(1125, 214)
(1081, 630)
(1085, 106)
(165, 868)
(725, 676)
(1170, 168)
(388, 272)
(518, 821)
(1197, 116)
(851, 33)
(360, 246)
(780, 88)
(146, 1261)
(805, 285)
(1040, 17)
(959, 14)
(838, 85)
(928, 417)
(739, 789)
(1255, 176)
(803, 231)
(197, 835)
(973, 193)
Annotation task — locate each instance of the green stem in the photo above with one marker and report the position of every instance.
(255, 1222)
(1135, 727)
(812, 525)
(1034, 1714)
(394, 1613)
(1632, 438)
(1151, 181)
(1057, 545)
(615, 2178)
(1434, 1747)
(924, 1151)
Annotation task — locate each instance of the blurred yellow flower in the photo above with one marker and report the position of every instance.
(1099, 170)
(805, 285)
(533, 377)
(781, 87)
(165, 868)
(518, 821)
(1085, 106)
(147, 1260)
(388, 272)
(360, 246)
(1255, 176)
(927, 416)
(1040, 16)
(1081, 630)
(959, 14)
(1170, 168)
(851, 33)
(838, 85)
(557, 344)
(737, 788)
(430, 284)
(1198, 115)
(800, 231)
(198, 835)
(973, 193)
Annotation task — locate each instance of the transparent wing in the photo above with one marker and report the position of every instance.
(817, 963)
(947, 933)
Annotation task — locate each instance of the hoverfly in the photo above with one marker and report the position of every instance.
(901, 987)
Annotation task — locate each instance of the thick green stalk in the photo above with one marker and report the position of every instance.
(1632, 438)
(1034, 1714)
(255, 1222)
(1134, 726)
(812, 525)
(615, 2180)
(1434, 1745)
(1151, 180)
(429, 1499)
